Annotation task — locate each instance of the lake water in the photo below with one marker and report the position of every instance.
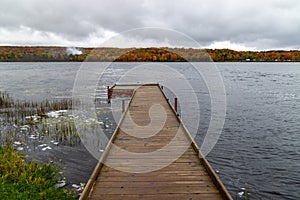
(258, 151)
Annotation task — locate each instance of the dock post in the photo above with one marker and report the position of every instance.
(175, 103)
(123, 106)
(162, 87)
(108, 91)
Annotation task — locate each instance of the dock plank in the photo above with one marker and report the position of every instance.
(187, 176)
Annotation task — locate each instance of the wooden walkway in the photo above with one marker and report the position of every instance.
(138, 164)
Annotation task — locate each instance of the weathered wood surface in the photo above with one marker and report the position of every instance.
(180, 172)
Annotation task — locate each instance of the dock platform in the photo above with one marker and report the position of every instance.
(137, 164)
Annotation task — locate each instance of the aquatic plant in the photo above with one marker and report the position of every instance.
(36, 119)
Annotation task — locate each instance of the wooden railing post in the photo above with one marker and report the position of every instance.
(123, 106)
(175, 104)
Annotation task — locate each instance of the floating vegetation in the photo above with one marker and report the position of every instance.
(243, 194)
(26, 125)
(29, 120)
(41, 128)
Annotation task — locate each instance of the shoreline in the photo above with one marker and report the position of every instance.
(162, 54)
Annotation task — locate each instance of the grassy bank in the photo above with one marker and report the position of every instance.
(21, 180)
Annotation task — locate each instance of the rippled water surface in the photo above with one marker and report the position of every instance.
(258, 152)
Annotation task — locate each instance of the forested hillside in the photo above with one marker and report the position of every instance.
(64, 54)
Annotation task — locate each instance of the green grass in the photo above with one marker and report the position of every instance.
(21, 180)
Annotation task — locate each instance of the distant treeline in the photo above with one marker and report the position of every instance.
(64, 54)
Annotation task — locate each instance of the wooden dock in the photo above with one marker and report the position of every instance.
(177, 171)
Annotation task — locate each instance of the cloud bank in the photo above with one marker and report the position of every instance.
(242, 25)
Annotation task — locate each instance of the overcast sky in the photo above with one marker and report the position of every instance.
(235, 24)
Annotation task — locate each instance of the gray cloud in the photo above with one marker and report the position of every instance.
(268, 24)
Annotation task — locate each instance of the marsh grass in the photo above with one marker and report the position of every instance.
(16, 116)
(16, 111)
(29, 127)
(21, 180)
